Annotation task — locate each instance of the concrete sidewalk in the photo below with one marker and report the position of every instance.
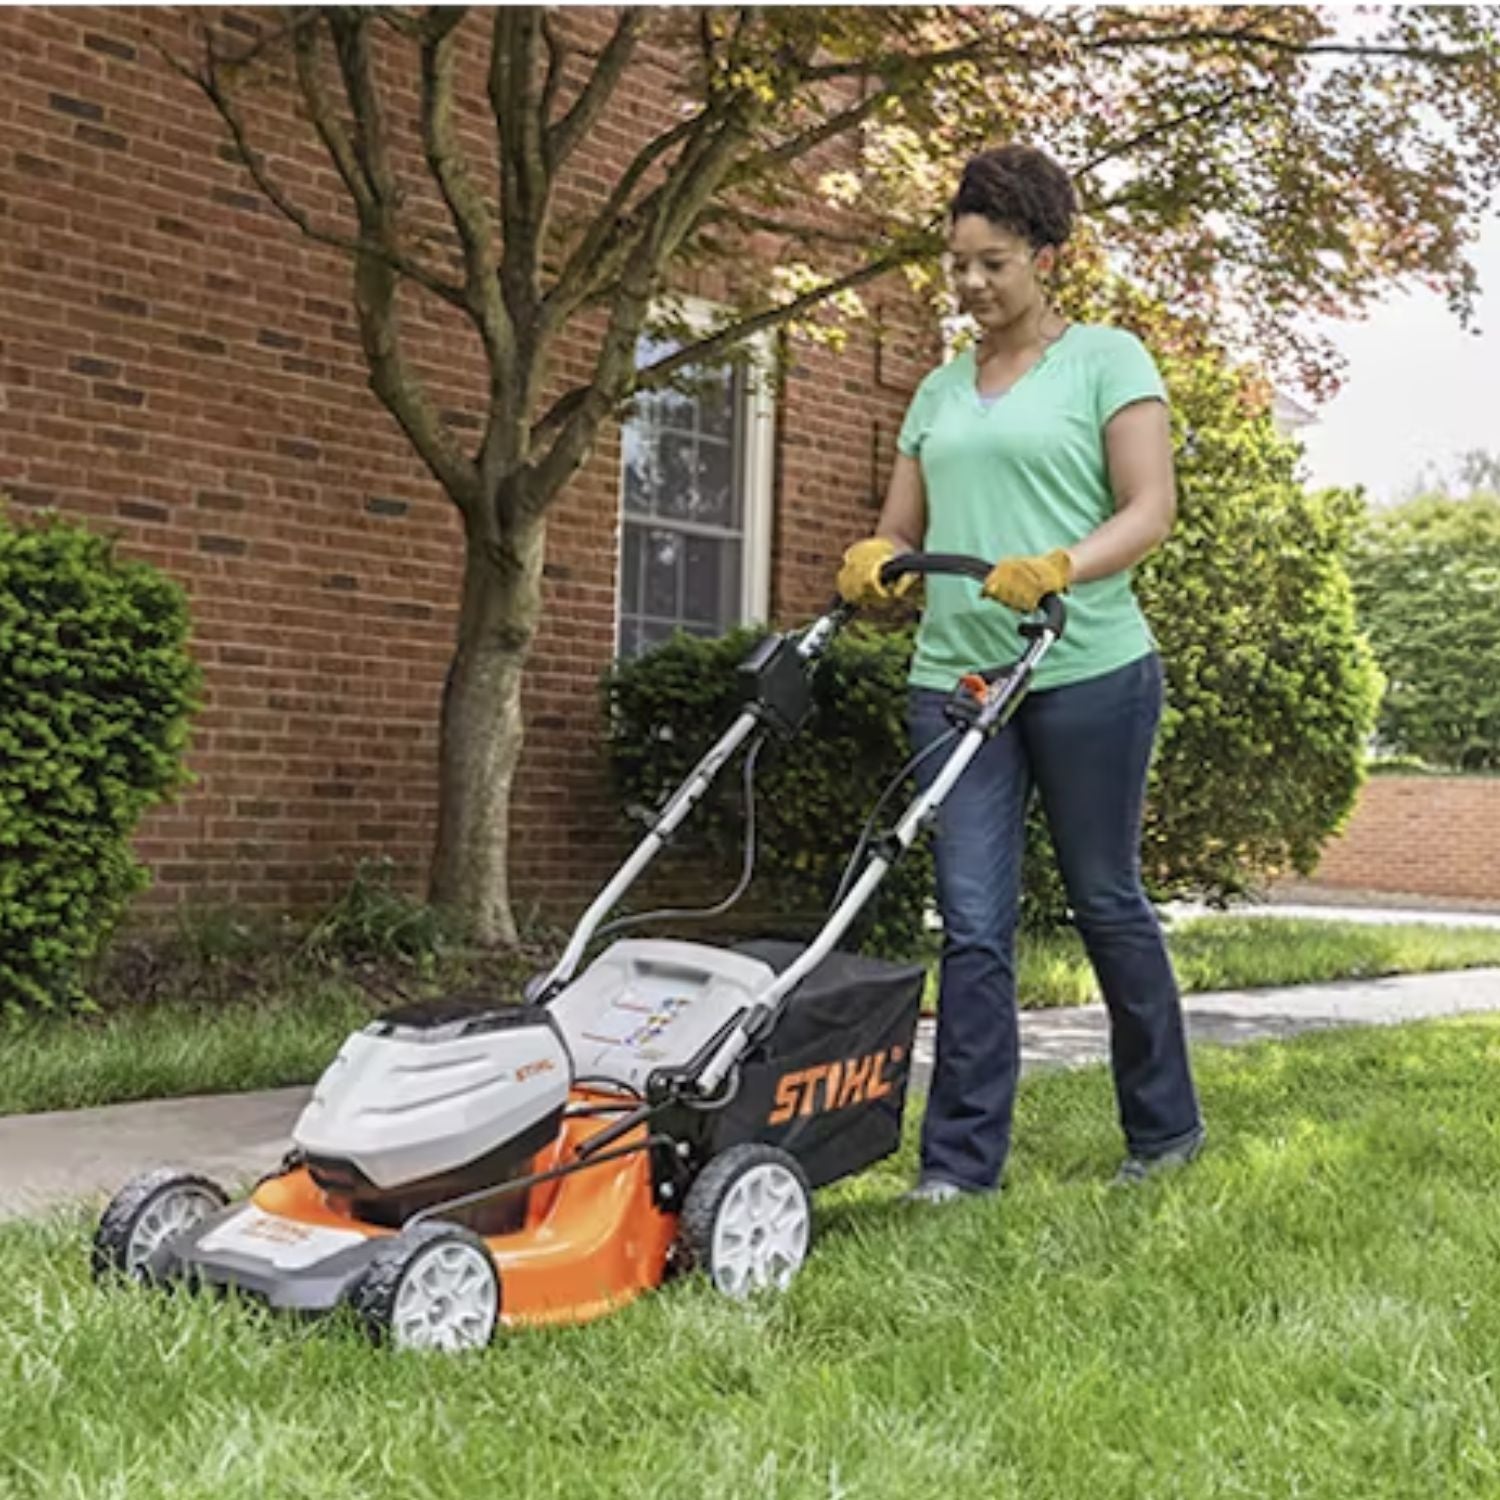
(1383, 915)
(51, 1159)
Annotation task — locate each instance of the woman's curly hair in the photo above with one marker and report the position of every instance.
(1020, 189)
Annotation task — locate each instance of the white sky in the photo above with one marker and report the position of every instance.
(1418, 389)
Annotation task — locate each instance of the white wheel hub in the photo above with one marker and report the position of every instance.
(448, 1299)
(171, 1212)
(761, 1231)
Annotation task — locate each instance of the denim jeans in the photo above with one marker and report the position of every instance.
(1086, 748)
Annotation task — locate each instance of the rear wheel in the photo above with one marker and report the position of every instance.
(747, 1219)
(433, 1286)
(145, 1214)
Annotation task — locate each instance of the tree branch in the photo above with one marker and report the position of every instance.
(574, 419)
(864, 67)
(209, 82)
(597, 91)
(525, 184)
(751, 222)
(557, 58)
(697, 173)
(705, 350)
(1145, 137)
(1246, 38)
(799, 145)
(371, 149)
(401, 391)
(551, 423)
(594, 262)
(364, 162)
(502, 445)
(326, 121)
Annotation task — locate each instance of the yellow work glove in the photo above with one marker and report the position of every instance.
(1020, 582)
(859, 576)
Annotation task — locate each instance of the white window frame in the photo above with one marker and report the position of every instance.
(757, 470)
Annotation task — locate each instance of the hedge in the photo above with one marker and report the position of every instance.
(814, 792)
(96, 685)
(1427, 578)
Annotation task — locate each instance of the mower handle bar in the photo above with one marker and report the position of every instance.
(960, 565)
(813, 642)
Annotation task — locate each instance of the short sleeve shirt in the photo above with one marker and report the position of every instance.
(1021, 475)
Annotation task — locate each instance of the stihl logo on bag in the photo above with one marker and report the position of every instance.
(831, 1086)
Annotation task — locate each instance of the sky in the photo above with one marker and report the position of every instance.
(1418, 389)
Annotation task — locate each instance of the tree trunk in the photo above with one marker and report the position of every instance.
(481, 731)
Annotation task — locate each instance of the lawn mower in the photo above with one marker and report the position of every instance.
(465, 1164)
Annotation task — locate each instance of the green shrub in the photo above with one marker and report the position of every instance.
(96, 685)
(1427, 577)
(1271, 689)
(814, 792)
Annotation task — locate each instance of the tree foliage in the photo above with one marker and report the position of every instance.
(95, 689)
(1246, 165)
(1427, 577)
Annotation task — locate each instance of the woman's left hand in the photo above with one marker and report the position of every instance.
(1022, 582)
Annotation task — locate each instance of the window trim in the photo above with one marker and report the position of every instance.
(757, 472)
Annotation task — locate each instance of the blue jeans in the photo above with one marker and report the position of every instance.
(1086, 748)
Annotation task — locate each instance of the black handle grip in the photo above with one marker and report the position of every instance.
(960, 565)
(1054, 616)
(954, 563)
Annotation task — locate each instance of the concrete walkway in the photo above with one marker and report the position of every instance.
(51, 1159)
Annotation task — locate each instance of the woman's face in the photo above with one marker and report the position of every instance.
(996, 274)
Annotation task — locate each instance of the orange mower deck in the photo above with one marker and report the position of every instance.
(592, 1241)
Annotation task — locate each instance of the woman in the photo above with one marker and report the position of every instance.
(1048, 447)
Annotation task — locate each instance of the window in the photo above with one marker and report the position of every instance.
(695, 504)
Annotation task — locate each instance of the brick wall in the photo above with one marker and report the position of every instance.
(1434, 837)
(180, 367)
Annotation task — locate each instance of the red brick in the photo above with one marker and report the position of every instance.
(182, 368)
(1432, 836)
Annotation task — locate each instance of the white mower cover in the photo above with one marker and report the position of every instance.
(648, 1003)
(408, 1103)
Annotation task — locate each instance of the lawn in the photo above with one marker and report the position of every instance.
(287, 1034)
(1311, 1310)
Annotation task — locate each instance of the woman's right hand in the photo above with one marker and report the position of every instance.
(859, 576)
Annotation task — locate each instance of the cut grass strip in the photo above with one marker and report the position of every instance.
(165, 1051)
(1309, 1311)
(169, 1050)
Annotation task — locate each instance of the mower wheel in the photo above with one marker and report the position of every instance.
(433, 1286)
(747, 1219)
(147, 1212)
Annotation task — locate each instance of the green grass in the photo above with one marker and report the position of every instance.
(286, 1036)
(1233, 953)
(1223, 953)
(170, 1049)
(1310, 1311)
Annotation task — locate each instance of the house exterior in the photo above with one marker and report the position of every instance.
(181, 368)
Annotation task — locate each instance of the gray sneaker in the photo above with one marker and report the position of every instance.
(1137, 1169)
(933, 1190)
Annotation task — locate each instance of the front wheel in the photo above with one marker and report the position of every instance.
(433, 1286)
(145, 1214)
(747, 1219)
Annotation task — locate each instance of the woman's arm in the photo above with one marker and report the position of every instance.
(1138, 453)
(903, 517)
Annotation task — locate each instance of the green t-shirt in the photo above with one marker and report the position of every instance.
(1021, 476)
